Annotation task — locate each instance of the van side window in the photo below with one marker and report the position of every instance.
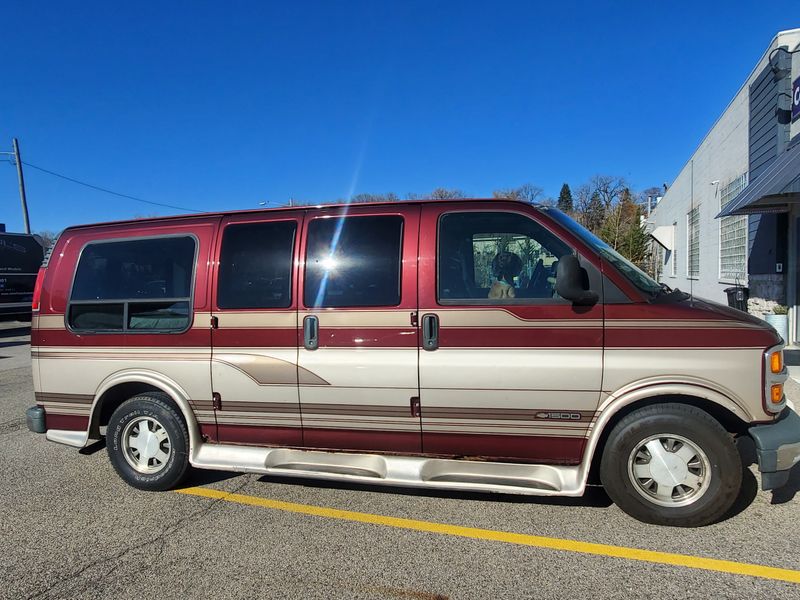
(255, 265)
(496, 258)
(142, 285)
(353, 261)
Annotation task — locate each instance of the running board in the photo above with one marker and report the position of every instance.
(409, 471)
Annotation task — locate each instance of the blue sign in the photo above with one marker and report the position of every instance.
(796, 100)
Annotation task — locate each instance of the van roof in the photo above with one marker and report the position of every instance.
(205, 215)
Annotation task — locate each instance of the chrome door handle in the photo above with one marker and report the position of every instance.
(311, 332)
(430, 332)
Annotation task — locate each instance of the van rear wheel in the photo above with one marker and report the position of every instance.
(148, 442)
(671, 464)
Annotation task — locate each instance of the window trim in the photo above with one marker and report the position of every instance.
(125, 301)
(307, 236)
(298, 224)
(673, 267)
(483, 301)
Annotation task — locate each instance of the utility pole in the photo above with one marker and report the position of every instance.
(21, 178)
(23, 199)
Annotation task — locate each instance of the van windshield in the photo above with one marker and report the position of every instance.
(630, 271)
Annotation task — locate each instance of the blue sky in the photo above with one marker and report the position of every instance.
(217, 105)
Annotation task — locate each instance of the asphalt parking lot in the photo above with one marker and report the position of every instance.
(71, 528)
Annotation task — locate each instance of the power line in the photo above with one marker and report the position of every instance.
(107, 191)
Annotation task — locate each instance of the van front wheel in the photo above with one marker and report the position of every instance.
(148, 442)
(671, 464)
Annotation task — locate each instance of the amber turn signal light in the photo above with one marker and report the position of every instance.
(776, 362)
(776, 393)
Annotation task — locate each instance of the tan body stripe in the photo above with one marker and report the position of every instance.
(201, 320)
(45, 354)
(476, 318)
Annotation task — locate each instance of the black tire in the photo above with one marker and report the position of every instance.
(720, 488)
(156, 408)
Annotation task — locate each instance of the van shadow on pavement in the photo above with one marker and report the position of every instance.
(15, 331)
(14, 343)
(790, 490)
(595, 496)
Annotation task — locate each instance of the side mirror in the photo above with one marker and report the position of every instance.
(572, 282)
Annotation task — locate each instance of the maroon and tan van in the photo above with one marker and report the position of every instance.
(482, 345)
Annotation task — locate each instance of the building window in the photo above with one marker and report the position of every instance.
(139, 285)
(732, 235)
(353, 261)
(693, 243)
(673, 267)
(658, 261)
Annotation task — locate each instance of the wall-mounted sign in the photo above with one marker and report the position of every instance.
(795, 100)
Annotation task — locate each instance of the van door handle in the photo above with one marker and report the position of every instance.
(430, 332)
(311, 332)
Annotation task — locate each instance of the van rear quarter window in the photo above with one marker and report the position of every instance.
(354, 261)
(134, 285)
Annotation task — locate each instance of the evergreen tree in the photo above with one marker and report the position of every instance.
(623, 229)
(595, 214)
(565, 199)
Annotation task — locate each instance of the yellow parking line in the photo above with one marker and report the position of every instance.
(651, 556)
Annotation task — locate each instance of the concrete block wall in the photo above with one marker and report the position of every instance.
(722, 156)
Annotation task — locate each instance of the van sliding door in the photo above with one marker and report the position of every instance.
(254, 324)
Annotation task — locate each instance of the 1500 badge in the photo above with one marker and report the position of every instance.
(559, 416)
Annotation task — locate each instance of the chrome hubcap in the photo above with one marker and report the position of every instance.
(669, 470)
(146, 445)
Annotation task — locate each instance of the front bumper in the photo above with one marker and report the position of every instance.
(777, 448)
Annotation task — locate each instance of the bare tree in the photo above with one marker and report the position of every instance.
(442, 193)
(590, 209)
(582, 198)
(527, 192)
(653, 192)
(364, 198)
(46, 238)
(608, 188)
(649, 197)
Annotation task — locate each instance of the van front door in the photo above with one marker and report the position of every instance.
(254, 356)
(357, 329)
(508, 370)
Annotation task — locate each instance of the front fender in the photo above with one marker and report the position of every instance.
(643, 390)
(667, 386)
